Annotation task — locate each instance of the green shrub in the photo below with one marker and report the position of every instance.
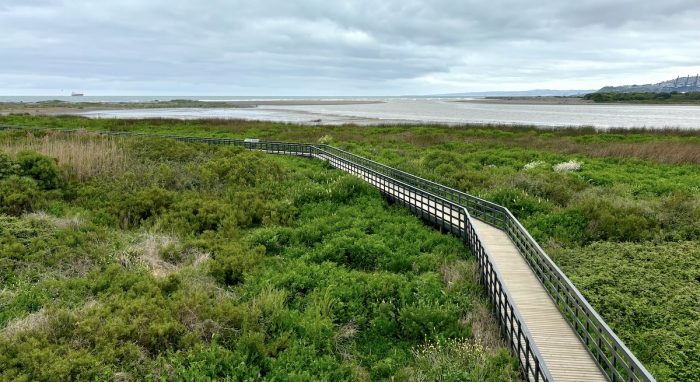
(460, 360)
(348, 188)
(352, 249)
(470, 180)
(655, 314)
(556, 187)
(203, 362)
(134, 208)
(8, 167)
(160, 150)
(171, 253)
(195, 215)
(18, 195)
(430, 320)
(231, 263)
(679, 217)
(240, 168)
(520, 203)
(566, 226)
(41, 168)
(608, 220)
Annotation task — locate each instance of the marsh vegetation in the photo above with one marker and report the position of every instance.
(619, 211)
(149, 259)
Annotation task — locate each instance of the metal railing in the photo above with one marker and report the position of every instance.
(612, 356)
(455, 218)
(482, 209)
(610, 353)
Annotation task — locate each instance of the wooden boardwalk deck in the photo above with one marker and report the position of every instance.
(564, 354)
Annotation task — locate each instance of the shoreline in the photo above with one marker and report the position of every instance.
(518, 100)
(557, 100)
(63, 107)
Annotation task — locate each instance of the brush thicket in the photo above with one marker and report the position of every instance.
(81, 155)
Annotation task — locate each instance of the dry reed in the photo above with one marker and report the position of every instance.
(81, 155)
(665, 151)
(147, 252)
(485, 329)
(32, 322)
(74, 222)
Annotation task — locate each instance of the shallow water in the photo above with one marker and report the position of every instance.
(443, 111)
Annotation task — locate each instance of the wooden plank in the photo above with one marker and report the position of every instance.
(565, 355)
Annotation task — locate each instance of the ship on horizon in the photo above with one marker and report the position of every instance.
(74, 94)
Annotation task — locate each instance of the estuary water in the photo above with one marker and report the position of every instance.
(451, 112)
(445, 111)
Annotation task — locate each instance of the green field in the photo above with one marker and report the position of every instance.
(618, 211)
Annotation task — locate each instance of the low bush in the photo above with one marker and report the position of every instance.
(41, 168)
(232, 262)
(630, 283)
(18, 195)
(8, 166)
(616, 220)
(132, 209)
(520, 203)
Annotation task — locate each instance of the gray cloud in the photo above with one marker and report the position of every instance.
(313, 47)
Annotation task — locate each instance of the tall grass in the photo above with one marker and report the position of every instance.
(668, 152)
(82, 155)
(669, 145)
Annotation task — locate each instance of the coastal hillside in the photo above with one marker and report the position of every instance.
(688, 83)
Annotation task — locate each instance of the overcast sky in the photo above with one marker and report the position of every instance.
(329, 47)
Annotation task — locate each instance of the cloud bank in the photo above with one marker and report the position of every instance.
(312, 47)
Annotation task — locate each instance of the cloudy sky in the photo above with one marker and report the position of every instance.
(329, 47)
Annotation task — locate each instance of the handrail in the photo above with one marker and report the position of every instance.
(483, 209)
(611, 354)
(512, 324)
(609, 351)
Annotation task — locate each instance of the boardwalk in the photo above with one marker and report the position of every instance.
(565, 355)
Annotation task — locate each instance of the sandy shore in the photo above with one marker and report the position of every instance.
(53, 108)
(531, 100)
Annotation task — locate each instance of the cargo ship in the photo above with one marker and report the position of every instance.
(74, 94)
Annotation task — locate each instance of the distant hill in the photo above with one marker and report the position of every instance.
(685, 84)
(524, 93)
